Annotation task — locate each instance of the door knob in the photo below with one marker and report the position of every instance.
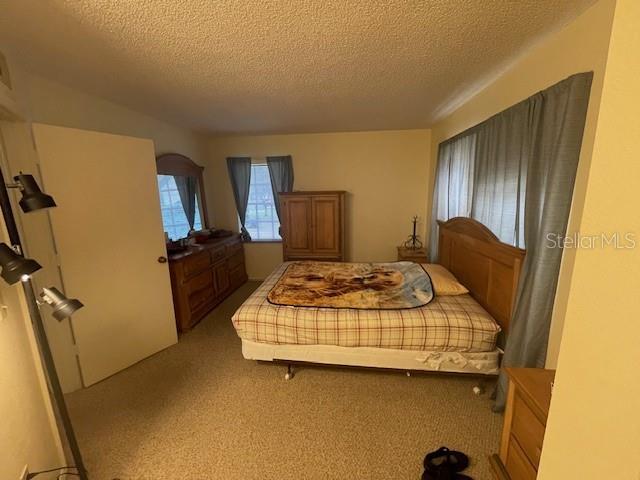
(162, 259)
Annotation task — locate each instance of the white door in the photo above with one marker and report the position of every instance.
(109, 237)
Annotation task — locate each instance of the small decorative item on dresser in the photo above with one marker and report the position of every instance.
(525, 420)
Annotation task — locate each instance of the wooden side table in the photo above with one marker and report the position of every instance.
(418, 255)
(525, 420)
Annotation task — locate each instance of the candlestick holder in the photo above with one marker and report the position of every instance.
(413, 242)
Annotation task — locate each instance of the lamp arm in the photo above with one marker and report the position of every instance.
(52, 374)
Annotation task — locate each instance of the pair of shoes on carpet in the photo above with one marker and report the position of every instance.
(445, 464)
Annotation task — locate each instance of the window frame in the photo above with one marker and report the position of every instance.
(176, 164)
(174, 219)
(259, 162)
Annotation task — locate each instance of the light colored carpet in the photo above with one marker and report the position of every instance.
(198, 410)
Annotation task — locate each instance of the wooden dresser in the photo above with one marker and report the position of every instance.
(203, 276)
(313, 225)
(525, 420)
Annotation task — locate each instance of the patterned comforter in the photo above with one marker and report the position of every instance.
(447, 323)
(353, 285)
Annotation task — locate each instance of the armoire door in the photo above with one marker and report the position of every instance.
(297, 226)
(326, 225)
(109, 238)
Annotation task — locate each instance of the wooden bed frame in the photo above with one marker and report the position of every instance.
(490, 270)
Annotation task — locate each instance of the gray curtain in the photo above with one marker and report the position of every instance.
(187, 190)
(523, 172)
(240, 176)
(281, 174)
(454, 184)
(502, 156)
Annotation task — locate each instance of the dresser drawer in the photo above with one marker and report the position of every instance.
(237, 276)
(233, 248)
(203, 276)
(528, 430)
(196, 263)
(217, 254)
(200, 290)
(236, 259)
(517, 464)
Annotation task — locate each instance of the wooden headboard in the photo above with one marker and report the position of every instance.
(489, 268)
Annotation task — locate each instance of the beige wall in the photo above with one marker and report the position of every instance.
(580, 46)
(384, 172)
(593, 430)
(28, 435)
(46, 101)
(56, 104)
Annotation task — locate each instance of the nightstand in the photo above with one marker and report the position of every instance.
(418, 255)
(525, 420)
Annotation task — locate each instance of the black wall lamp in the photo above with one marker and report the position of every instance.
(63, 307)
(15, 267)
(32, 197)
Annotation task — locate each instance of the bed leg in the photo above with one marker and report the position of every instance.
(289, 374)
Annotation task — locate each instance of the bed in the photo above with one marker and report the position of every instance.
(456, 333)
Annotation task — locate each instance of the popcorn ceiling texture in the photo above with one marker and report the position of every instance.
(259, 66)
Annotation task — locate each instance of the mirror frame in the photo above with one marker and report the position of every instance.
(177, 164)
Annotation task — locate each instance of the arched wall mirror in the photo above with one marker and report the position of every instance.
(182, 195)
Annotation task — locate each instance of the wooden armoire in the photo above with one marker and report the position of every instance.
(313, 225)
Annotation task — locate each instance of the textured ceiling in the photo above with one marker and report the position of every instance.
(259, 66)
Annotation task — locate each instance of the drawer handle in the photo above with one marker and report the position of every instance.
(162, 259)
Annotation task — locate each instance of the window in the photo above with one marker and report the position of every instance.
(173, 217)
(262, 219)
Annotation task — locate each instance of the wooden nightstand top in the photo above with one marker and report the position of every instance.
(535, 383)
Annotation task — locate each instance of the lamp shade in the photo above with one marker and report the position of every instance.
(63, 307)
(14, 266)
(32, 197)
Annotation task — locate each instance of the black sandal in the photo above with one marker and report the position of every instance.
(445, 464)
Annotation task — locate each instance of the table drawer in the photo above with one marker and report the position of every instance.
(236, 259)
(217, 254)
(237, 275)
(200, 290)
(413, 258)
(233, 248)
(528, 430)
(517, 464)
(196, 263)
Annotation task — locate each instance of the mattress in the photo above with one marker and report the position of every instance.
(449, 324)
